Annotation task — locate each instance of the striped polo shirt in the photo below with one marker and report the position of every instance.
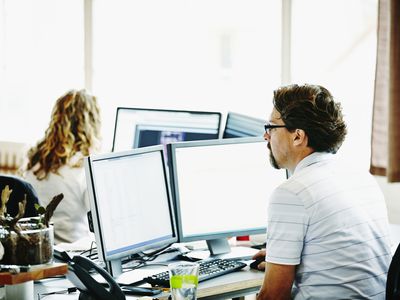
(331, 221)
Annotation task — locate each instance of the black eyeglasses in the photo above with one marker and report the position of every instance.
(268, 127)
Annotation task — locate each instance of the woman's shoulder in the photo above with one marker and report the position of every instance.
(76, 160)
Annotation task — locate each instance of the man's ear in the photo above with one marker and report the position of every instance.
(300, 138)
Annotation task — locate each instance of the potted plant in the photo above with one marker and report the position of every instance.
(27, 241)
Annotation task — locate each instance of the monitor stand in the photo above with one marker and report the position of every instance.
(218, 246)
(114, 267)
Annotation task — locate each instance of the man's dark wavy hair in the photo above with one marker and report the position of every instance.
(312, 108)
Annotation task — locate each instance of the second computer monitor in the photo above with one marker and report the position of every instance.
(221, 189)
(130, 203)
(141, 127)
(238, 125)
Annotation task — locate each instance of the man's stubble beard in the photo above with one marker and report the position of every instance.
(272, 159)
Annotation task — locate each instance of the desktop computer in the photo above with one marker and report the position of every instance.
(221, 189)
(142, 127)
(130, 202)
(239, 125)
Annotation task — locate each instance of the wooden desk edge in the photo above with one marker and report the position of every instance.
(35, 273)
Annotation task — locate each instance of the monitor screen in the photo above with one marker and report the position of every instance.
(238, 125)
(130, 203)
(141, 127)
(221, 188)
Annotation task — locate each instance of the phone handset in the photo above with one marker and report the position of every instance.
(90, 289)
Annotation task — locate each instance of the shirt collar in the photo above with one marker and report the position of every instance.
(311, 159)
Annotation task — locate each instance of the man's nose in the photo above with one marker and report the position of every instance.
(267, 137)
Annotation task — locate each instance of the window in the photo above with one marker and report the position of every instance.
(41, 57)
(334, 44)
(210, 55)
(213, 55)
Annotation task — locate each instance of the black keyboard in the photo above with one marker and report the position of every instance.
(208, 269)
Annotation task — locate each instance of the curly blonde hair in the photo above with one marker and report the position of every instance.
(74, 127)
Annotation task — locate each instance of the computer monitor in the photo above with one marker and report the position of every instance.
(221, 189)
(141, 127)
(130, 203)
(238, 125)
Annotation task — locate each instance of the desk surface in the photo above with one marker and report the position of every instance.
(35, 273)
(237, 284)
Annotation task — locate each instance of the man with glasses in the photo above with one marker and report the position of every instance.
(327, 232)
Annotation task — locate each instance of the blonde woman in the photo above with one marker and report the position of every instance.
(55, 164)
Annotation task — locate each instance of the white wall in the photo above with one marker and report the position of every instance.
(392, 193)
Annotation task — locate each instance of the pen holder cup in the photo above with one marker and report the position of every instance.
(31, 246)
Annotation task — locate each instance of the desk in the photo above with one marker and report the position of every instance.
(237, 284)
(20, 285)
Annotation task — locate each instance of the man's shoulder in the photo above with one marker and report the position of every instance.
(331, 169)
(316, 182)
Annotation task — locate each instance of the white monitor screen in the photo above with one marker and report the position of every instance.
(221, 188)
(130, 201)
(140, 127)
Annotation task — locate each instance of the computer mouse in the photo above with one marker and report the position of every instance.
(254, 264)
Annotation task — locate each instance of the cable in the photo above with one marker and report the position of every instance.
(66, 291)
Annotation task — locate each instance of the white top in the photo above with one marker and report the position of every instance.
(70, 220)
(332, 222)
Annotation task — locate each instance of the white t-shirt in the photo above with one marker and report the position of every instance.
(332, 222)
(70, 220)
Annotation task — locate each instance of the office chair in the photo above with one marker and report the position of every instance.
(19, 188)
(393, 277)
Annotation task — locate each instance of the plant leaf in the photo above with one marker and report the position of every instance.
(5, 196)
(51, 207)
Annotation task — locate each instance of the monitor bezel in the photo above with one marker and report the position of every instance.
(199, 112)
(175, 188)
(94, 205)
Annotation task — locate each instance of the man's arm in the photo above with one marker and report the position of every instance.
(278, 281)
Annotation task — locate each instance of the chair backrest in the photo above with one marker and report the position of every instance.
(393, 277)
(19, 188)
